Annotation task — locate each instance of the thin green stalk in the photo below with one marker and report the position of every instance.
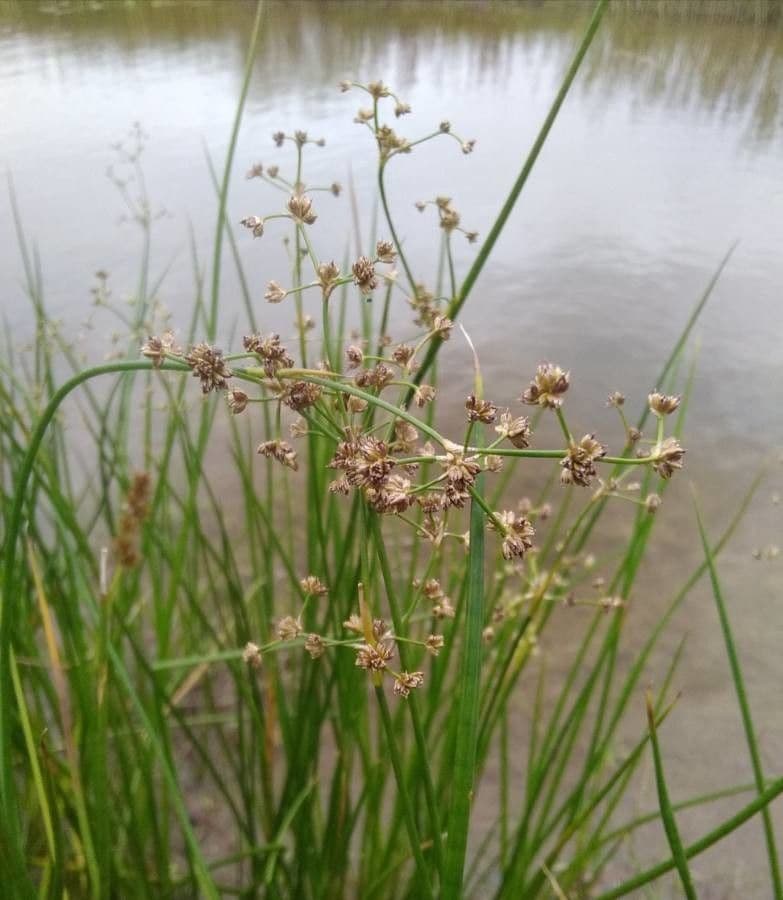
(468, 687)
(774, 790)
(399, 774)
(744, 705)
(669, 822)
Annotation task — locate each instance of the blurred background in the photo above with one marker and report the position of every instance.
(666, 154)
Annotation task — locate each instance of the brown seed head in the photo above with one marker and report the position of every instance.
(662, 404)
(208, 365)
(278, 137)
(299, 395)
(434, 643)
(517, 533)
(274, 293)
(579, 465)
(668, 456)
(364, 275)
(480, 410)
(547, 388)
(289, 628)
(615, 399)
(374, 658)
(385, 252)
(312, 586)
(315, 646)
(517, 430)
(282, 451)
(237, 401)
(270, 350)
(405, 682)
(251, 655)
(301, 208)
(425, 393)
(354, 356)
(254, 224)
(156, 348)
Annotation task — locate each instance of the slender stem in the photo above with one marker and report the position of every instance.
(410, 819)
(469, 683)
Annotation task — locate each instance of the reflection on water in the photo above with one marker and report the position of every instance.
(666, 153)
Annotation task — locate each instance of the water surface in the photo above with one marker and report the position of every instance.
(667, 153)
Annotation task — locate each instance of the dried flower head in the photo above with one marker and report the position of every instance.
(269, 349)
(579, 465)
(516, 531)
(312, 586)
(385, 252)
(517, 430)
(254, 224)
(652, 503)
(251, 655)
(480, 410)
(444, 608)
(274, 293)
(425, 393)
(493, 462)
(662, 404)
(460, 471)
(289, 628)
(209, 366)
(405, 682)
(278, 137)
(547, 387)
(615, 399)
(237, 401)
(467, 146)
(364, 275)
(441, 327)
(156, 348)
(328, 273)
(667, 457)
(434, 643)
(255, 171)
(378, 90)
(301, 208)
(299, 395)
(282, 451)
(315, 646)
(135, 509)
(401, 109)
(374, 658)
(354, 356)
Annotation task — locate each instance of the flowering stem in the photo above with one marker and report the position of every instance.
(392, 230)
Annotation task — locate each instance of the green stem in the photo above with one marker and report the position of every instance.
(468, 716)
(410, 819)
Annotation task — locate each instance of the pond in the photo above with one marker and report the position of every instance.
(666, 157)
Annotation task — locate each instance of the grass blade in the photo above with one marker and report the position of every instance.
(468, 719)
(742, 700)
(669, 822)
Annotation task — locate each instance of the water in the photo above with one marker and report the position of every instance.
(666, 153)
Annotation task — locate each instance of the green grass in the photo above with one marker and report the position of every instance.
(140, 753)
